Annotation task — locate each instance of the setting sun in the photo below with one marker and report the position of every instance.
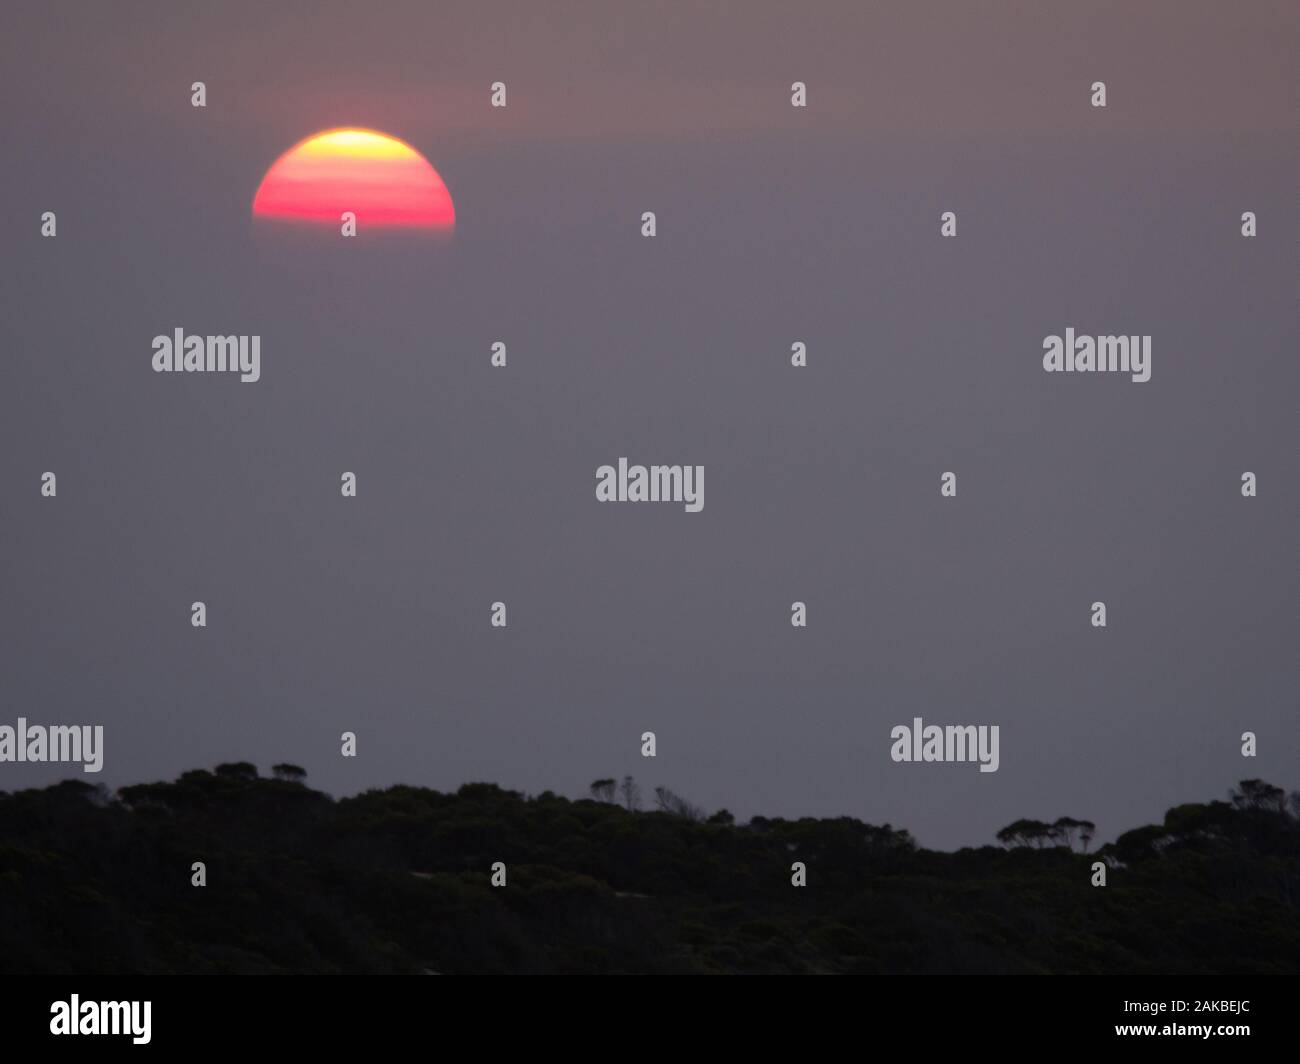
(382, 180)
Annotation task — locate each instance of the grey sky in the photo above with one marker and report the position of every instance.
(822, 484)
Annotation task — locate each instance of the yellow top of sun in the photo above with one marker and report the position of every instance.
(356, 142)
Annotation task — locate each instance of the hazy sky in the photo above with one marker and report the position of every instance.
(822, 484)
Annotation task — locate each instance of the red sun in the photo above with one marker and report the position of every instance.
(380, 179)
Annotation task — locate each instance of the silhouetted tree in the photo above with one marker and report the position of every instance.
(675, 804)
(1034, 833)
(289, 773)
(631, 793)
(240, 770)
(393, 881)
(1067, 829)
(603, 790)
(1256, 794)
(722, 817)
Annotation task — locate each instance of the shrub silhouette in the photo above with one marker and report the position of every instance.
(397, 880)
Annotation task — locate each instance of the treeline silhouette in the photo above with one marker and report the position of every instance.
(398, 880)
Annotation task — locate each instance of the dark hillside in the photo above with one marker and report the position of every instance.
(398, 881)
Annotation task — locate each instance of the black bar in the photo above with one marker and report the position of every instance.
(332, 1015)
